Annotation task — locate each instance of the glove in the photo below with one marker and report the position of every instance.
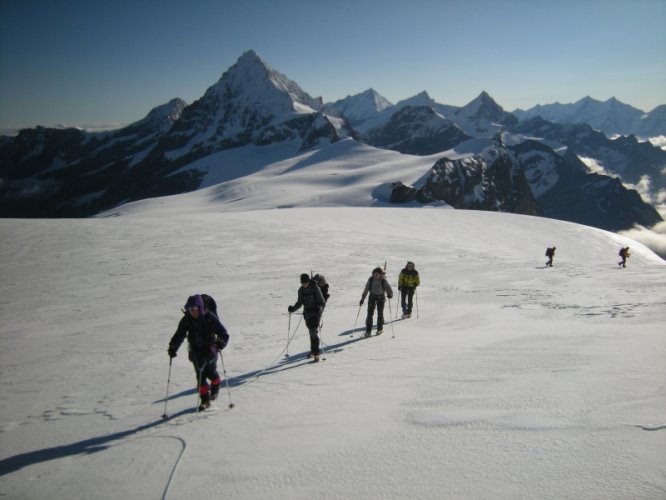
(290, 309)
(220, 344)
(399, 288)
(172, 352)
(390, 296)
(360, 303)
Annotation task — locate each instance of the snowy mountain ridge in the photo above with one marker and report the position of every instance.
(253, 106)
(610, 116)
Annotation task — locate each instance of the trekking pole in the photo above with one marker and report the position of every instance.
(200, 406)
(321, 342)
(400, 292)
(288, 334)
(391, 314)
(356, 320)
(226, 380)
(166, 398)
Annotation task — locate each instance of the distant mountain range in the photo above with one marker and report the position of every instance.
(612, 116)
(486, 158)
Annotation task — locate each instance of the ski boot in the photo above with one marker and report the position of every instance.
(205, 402)
(214, 391)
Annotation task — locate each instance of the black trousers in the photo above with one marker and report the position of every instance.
(312, 319)
(205, 370)
(407, 299)
(378, 302)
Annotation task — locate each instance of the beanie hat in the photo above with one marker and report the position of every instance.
(377, 270)
(195, 301)
(305, 278)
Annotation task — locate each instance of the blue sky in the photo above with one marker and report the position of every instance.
(85, 63)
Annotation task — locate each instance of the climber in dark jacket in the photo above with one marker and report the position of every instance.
(312, 300)
(205, 337)
(376, 286)
(550, 253)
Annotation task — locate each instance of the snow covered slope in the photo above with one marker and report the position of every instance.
(512, 381)
(346, 173)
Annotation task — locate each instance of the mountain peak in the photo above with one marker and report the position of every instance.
(420, 99)
(250, 55)
(252, 83)
(357, 108)
(482, 106)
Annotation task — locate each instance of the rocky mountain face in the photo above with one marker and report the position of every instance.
(565, 189)
(532, 179)
(418, 131)
(72, 173)
(491, 180)
(625, 156)
(68, 172)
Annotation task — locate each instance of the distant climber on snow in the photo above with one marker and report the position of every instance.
(407, 282)
(550, 253)
(376, 286)
(624, 254)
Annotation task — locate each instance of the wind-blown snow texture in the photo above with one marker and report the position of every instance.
(514, 381)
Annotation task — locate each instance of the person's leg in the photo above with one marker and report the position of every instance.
(312, 323)
(380, 315)
(371, 313)
(202, 386)
(211, 374)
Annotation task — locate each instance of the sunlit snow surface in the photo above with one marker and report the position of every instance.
(510, 381)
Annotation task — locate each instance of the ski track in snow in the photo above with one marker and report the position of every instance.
(515, 381)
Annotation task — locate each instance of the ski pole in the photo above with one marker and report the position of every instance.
(226, 380)
(400, 292)
(322, 343)
(200, 381)
(416, 292)
(390, 315)
(288, 334)
(166, 398)
(356, 320)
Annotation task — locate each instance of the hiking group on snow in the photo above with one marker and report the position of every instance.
(207, 336)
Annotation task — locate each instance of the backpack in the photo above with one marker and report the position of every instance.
(209, 303)
(320, 281)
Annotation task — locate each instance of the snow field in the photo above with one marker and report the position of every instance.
(515, 381)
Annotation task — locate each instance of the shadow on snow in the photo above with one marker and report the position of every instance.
(101, 443)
